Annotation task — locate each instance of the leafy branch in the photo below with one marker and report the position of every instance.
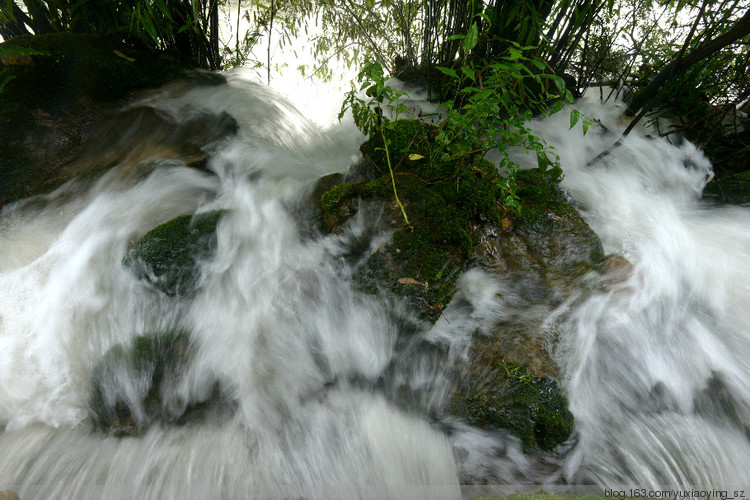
(368, 116)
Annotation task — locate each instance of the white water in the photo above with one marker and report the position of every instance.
(657, 367)
(307, 362)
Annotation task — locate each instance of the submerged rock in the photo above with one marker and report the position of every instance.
(457, 221)
(139, 384)
(168, 256)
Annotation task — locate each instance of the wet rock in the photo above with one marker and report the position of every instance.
(616, 269)
(72, 97)
(733, 189)
(167, 257)
(548, 253)
(498, 395)
(138, 384)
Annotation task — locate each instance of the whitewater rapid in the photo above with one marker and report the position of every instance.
(655, 367)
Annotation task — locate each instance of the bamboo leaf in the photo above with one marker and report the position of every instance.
(123, 56)
(164, 9)
(472, 37)
(448, 71)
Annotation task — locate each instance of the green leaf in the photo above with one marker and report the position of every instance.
(469, 73)
(556, 106)
(574, 116)
(448, 71)
(148, 25)
(5, 81)
(472, 37)
(539, 64)
(560, 84)
(514, 54)
(586, 124)
(456, 37)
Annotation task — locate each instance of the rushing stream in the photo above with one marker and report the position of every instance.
(656, 367)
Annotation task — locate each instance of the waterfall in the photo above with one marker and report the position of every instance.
(657, 366)
(304, 366)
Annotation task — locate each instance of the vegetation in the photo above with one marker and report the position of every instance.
(189, 28)
(666, 52)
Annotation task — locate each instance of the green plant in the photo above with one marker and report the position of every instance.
(516, 372)
(368, 116)
(492, 104)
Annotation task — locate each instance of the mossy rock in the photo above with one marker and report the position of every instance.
(505, 396)
(127, 382)
(442, 198)
(733, 189)
(137, 384)
(457, 220)
(168, 256)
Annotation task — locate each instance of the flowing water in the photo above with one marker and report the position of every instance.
(655, 367)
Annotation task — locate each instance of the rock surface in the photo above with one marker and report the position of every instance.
(457, 222)
(61, 116)
(168, 256)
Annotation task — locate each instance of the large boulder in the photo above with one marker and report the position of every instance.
(62, 118)
(457, 221)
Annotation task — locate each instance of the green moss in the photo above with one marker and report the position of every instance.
(443, 197)
(539, 196)
(404, 137)
(333, 196)
(168, 255)
(533, 408)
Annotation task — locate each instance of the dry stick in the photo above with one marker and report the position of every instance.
(239, 12)
(270, 32)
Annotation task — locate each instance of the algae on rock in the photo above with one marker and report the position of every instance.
(167, 257)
